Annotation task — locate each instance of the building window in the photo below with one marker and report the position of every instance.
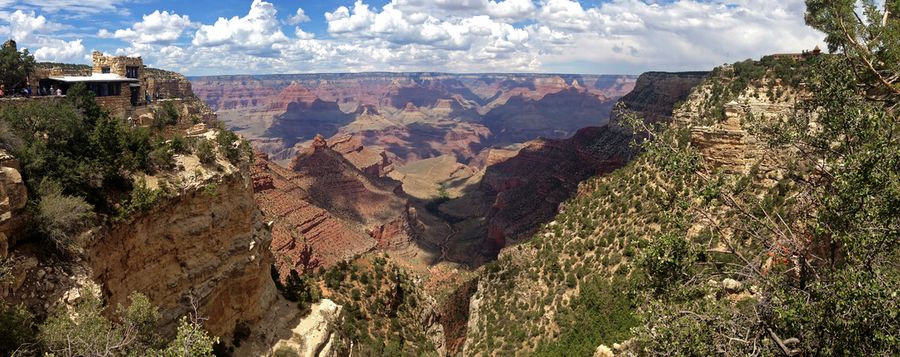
(131, 72)
(106, 89)
(104, 70)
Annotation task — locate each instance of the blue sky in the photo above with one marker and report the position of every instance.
(204, 37)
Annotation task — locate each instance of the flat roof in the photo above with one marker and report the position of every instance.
(96, 77)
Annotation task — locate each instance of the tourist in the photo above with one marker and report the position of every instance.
(59, 92)
(2, 90)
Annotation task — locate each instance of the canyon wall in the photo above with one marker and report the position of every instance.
(207, 247)
(326, 209)
(410, 116)
(527, 189)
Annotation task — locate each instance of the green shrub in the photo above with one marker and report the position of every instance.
(285, 351)
(229, 146)
(180, 145)
(601, 314)
(206, 152)
(86, 332)
(18, 330)
(668, 260)
(61, 218)
(162, 157)
(166, 115)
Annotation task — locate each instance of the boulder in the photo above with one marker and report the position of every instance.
(313, 335)
(603, 351)
(732, 286)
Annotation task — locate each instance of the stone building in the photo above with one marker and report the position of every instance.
(118, 82)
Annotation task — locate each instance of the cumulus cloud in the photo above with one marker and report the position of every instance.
(23, 25)
(157, 27)
(298, 18)
(258, 31)
(33, 31)
(60, 51)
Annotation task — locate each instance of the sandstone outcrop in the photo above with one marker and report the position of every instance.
(325, 209)
(13, 198)
(207, 247)
(304, 236)
(372, 162)
(655, 94)
(314, 336)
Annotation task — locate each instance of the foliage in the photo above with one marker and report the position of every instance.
(142, 199)
(166, 115)
(601, 314)
(229, 146)
(60, 218)
(86, 332)
(17, 324)
(162, 156)
(667, 262)
(206, 152)
(296, 288)
(190, 341)
(14, 66)
(381, 317)
(77, 145)
(819, 247)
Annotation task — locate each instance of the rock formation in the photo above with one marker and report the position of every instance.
(314, 335)
(391, 110)
(13, 198)
(528, 188)
(304, 236)
(325, 209)
(207, 247)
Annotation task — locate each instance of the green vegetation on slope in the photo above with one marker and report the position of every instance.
(798, 255)
(85, 331)
(383, 307)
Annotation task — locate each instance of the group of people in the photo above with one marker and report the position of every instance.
(27, 92)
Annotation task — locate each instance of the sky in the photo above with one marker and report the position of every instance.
(213, 37)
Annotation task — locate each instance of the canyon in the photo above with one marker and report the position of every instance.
(437, 173)
(436, 140)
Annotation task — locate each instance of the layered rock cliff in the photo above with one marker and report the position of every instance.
(411, 116)
(205, 248)
(326, 209)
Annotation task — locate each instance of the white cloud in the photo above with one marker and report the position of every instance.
(23, 25)
(343, 21)
(79, 7)
(60, 51)
(298, 18)
(258, 31)
(157, 27)
(34, 32)
(511, 9)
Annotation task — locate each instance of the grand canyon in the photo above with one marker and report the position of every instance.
(434, 167)
(449, 178)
